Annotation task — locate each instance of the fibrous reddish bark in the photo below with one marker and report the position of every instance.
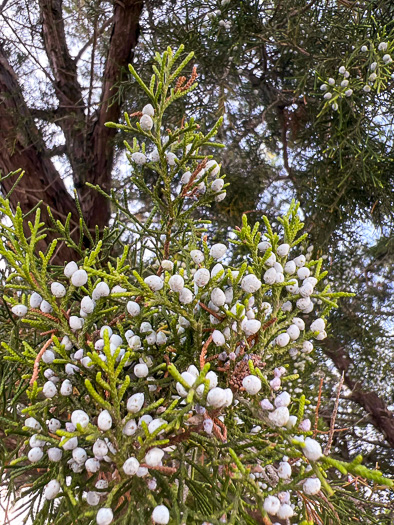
(381, 417)
(88, 143)
(21, 146)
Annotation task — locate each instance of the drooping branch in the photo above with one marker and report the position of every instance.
(22, 146)
(381, 417)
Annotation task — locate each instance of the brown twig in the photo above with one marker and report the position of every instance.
(216, 428)
(179, 83)
(222, 426)
(334, 415)
(212, 358)
(49, 332)
(204, 351)
(66, 314)
(205, 307)
(48, 316)
(269, 323)
(191, 80)
(37, 360)
(163, 470)
(119, 318)
(200, 167)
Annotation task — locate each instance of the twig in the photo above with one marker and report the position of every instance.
(48, 316)
(163, 470)
(334, 415)
(49, 332)
(37, 360)
(204, 352)
(205, 307)
(200, 167)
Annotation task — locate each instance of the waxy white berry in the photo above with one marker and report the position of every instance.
(218, 338)
(53, 425)
(52, 489)
(285, 512)
(284, 470)
(252, 384)
(70, 269)
(141, 370)
(19, 310)
(131, 466)
(283, 339)
(54, 454)
(35, 300)
(218, 251)
(87, 305)
(101, 290)
(139, 158)
(35, 454)
(318, 325)
(312, 449)
(148, 110)
(161, 515)
(130, 428)
(217, 397)
(270, 276)
(49, 389)
(154, 456)
(100, 448)
(67, 388)
(76, 323)
(197, 256)
(45, 307)
(282, 400)
(92, 465)
(279, 417)
(104, 516)
(176, 283)
(79, 455)
(79, 278)
(311, 486)
(271, 505)
(283, 249)
(251, 327)
(146, 123)
(202, 277)
(104, 420)
(250, 283)
(154, 282)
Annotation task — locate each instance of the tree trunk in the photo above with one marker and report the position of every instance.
(88, 143)
(124, 37)
(21, 146)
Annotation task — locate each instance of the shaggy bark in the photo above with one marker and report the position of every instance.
(88, 143)
(21, 146)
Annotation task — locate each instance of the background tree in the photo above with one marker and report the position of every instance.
(74, 93)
